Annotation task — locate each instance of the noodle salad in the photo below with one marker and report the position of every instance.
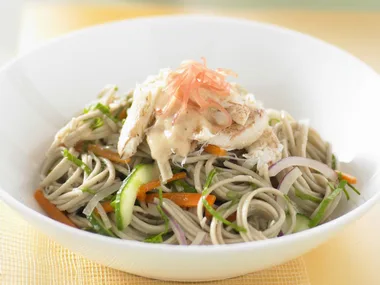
(189, 158)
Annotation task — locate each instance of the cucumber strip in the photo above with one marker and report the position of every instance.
(98, 225)
(126, 196)
(322, 208)
(353, 188)
(155, 239)
(302, 222)
(304, 196)
(333, 161)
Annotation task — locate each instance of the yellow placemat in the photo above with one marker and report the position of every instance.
(29, 257)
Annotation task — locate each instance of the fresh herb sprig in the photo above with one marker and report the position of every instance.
(102, 108)
(214, 212)
(96, 123)
(98, 226)
(76, 161)
(159, 237)
(342, 184)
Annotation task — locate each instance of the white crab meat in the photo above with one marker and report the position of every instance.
(239, 113)
(237, 136)
(167, 136)
(265, 151)
(141, 114)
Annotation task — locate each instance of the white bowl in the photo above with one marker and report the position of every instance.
(286, 70)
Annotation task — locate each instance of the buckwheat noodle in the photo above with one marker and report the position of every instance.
(242, 191)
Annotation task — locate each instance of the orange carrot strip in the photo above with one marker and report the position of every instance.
(215, 150)
(51, 210)
(155, 184)
(123, 114)
(182, 199)
(349, 178)
(107, 207)
(106, 153)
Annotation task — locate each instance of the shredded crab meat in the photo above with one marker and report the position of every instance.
(184, 85)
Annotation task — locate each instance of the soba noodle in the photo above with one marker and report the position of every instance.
(245, 196)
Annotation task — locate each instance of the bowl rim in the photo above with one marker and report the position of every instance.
(238, 247)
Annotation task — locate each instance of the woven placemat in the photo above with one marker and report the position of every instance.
(29, 257)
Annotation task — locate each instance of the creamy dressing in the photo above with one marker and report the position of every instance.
(165, 138)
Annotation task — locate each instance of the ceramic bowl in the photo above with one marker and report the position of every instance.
(313, 80)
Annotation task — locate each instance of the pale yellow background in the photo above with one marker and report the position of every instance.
(353, 256)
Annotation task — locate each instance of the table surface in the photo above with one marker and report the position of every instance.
(351, 257)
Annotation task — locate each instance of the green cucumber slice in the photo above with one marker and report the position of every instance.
(304, 196)
(302, 222)
(323, 206)
(126, 196)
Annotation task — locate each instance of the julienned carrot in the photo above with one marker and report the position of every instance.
(349, 178)
(106, 153)
(155, 184)
(107, 207)
(51, 210)
(232, 217)
(215, 150)
(182, 199)
(123, 114)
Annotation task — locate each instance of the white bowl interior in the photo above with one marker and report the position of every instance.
(286, 70)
